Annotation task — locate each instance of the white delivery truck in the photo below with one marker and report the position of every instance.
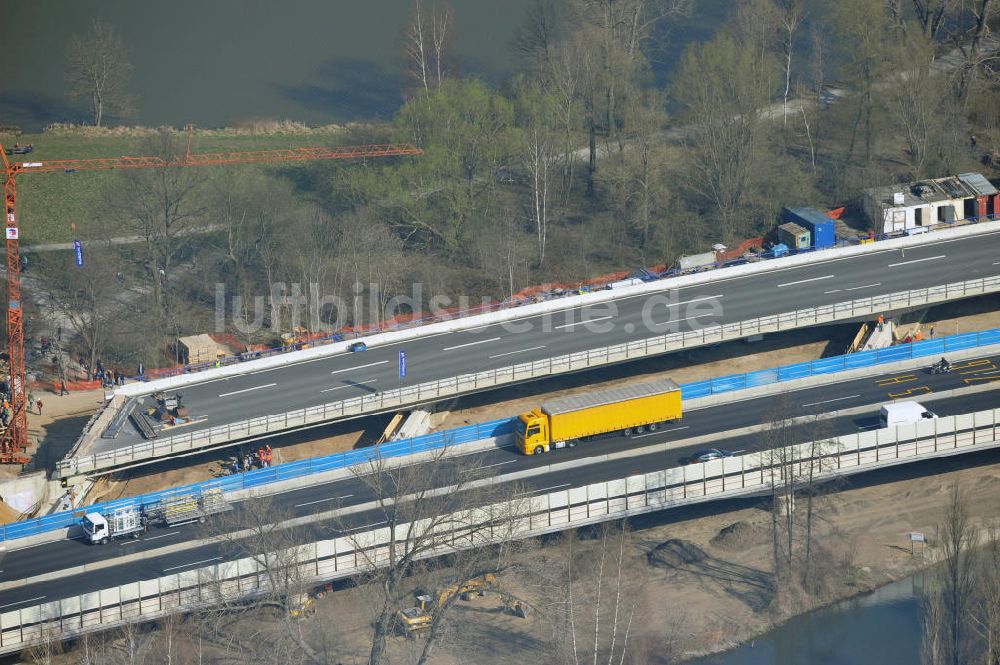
(123, 522)
(903, 413)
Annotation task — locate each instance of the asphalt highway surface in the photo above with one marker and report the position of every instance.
(538, 337)
(867, 392)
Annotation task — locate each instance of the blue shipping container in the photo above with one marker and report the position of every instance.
(821, 227)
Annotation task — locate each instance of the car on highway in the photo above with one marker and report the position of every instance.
(707, 455)
(357, 347)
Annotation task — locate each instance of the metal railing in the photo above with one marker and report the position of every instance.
(85, 441)
(504, 427)
(744, 475)
(394, 325)
(467, 383)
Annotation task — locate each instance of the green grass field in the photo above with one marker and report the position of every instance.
(49, 203)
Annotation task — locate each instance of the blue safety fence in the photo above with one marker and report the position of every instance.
(268, 475)
(931, 347)
(495, 428)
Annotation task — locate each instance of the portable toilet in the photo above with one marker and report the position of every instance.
(794, 236)
(821, 227)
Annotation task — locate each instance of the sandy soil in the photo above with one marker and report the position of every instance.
(53, 432)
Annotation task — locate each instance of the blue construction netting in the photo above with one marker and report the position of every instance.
(931, 347)
(495, 428)
(272, 474)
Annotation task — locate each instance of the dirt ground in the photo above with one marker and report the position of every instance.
(696, 580)
(698, 586)
(53, 432)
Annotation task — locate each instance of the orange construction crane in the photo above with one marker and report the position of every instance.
(14, 440)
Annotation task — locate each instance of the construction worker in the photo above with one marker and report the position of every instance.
(917, 336)
(932, 332)
(267, 456)
(62, 388)
(881, 322)
(38, 404)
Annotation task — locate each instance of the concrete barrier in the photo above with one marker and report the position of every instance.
(560, 304)
(436, 390)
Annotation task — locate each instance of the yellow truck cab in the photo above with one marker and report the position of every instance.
(630, 409)
(532, 432)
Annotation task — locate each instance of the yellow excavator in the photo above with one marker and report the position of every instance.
(417, 620)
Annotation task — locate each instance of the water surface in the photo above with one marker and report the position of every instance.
(215, 62)
(882, 628)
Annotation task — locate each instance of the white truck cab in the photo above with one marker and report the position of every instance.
(124, 522)
(903, 413)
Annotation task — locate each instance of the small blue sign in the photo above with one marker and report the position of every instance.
(402, 364)
(78, 251)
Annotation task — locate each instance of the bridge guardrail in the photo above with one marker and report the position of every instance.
(435, 390)
(535, 515)
(953, 230)
(504, 426)
(394, 325)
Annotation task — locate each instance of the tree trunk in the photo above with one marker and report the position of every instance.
(592, 164)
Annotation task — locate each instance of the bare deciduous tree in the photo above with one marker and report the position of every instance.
(267, 534)
(958, 580)
(441, 506)
(85, 296)
(986, 605)
(797, 501)
(161, 206)
(538, 114)
(428, 45)
(98, 69)
(592, 586)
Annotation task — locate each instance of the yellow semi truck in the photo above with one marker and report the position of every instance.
(630, 410)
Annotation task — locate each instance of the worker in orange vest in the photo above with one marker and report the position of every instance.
(917, 336)
(881, 322)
